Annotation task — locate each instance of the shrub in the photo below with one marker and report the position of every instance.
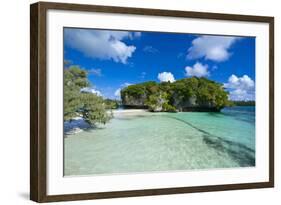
(169, 108)
(88, 105)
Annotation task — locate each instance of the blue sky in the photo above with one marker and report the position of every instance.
(115, 59)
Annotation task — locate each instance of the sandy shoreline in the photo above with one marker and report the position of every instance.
(78, 124)
(129, 112)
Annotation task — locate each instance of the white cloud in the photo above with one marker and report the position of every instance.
(241, 88)
(166, 77)
(91, 90)
(214, 67)
(214, 48)
(117, 92)
(180, 55)
(96, 72)
(198, 70)
(142, 75)
(137, 34)
(125, 84)
(150, 49)
(105, 45)
(244, 82)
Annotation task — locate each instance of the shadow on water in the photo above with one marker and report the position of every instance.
(215, 114)
(131, 117)
(90, 129)
(78, 125)
(238, 152)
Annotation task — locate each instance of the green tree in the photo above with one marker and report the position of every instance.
(212, 93)
(111, 104)
(88, 105)
(206, 94)
(158, 102)
(93, 109)
(137, 91)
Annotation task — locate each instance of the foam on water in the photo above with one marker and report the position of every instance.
(164, 142)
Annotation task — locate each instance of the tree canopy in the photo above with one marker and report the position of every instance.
(205, 92)
(244, 103)
(89, 106)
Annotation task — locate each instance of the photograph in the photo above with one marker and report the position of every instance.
(131, 101)
(144, 102)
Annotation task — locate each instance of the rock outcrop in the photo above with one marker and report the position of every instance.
(189, 105)
(189, 94)
(129, 101)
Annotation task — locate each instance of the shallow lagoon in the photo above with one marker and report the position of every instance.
(146, 142)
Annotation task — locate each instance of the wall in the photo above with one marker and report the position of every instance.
(14, 80)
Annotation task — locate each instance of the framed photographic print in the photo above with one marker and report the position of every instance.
(134, 102)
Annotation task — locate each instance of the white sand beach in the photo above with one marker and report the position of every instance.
(129, 112)
(77, 124)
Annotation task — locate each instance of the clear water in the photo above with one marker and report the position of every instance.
(164, 142)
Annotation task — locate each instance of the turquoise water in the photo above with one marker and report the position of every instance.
(164, 142)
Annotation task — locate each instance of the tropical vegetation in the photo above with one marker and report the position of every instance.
(244, 103)
(91, 107)
(181, 94)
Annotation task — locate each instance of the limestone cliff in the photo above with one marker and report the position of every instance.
(189, 94)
